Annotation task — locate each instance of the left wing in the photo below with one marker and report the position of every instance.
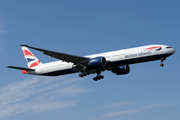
(62, 56)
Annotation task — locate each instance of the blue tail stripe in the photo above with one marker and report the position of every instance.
(29, 60)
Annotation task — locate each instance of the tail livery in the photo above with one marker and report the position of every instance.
(32, 61)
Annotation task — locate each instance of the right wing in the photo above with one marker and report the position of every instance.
(62, 56)
(20, 68)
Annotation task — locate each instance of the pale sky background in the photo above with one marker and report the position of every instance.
(84, 27)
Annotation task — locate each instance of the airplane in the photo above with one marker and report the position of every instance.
(115, 61)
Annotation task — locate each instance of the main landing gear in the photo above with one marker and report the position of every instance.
(98, 77)
(162, 60)
(83, 74)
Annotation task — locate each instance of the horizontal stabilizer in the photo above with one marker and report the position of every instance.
(20, 68)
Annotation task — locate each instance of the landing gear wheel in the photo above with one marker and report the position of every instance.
(81, 75)
(95, 79)
(101, 77)
(84, 74)
(98, 77)
(161, 64)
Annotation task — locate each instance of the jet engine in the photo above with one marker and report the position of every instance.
(97, 63)
(121, 70)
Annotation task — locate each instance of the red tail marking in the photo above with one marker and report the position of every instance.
(35, 64)
(24, 72)
(26, 52)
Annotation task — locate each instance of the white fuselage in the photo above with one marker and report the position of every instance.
(114, 58)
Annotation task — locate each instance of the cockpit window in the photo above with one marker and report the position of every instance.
(168, 47)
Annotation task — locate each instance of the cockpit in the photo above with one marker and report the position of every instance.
(170, 50)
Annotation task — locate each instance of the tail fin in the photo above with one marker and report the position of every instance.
(32, 61)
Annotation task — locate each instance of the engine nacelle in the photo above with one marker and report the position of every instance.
(121, 70)
(97, 63)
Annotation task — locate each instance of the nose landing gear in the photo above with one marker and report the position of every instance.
(162, 60)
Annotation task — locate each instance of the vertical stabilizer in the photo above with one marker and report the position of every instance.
(32, 61)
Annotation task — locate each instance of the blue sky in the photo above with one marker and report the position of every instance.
(82, 28)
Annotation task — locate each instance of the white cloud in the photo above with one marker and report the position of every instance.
(155, 105)
(123, 112)
(119, 104)
(112, 114)
(34, 106)
(38, 94)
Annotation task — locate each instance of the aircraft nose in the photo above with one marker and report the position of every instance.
(173, 51)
